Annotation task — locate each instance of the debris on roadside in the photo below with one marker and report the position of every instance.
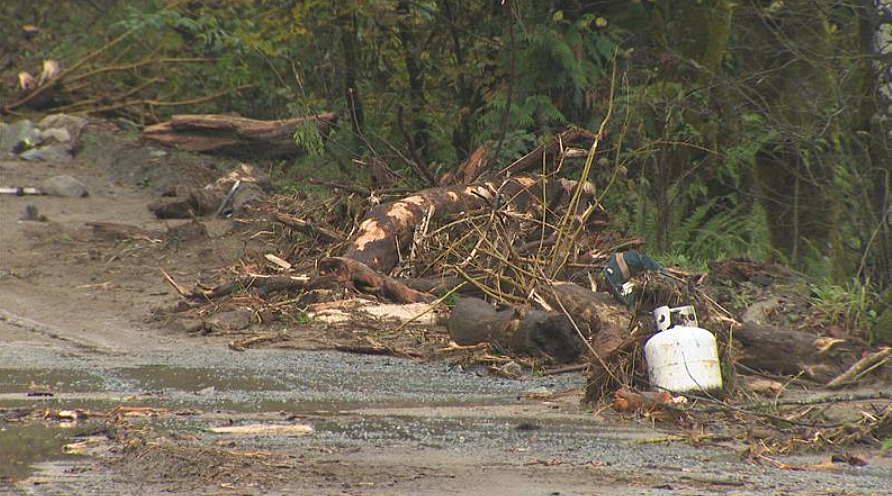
(264, 429)
(518, 274)
(231, 195)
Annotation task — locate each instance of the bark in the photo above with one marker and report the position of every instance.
(234, 135)
(529, 332)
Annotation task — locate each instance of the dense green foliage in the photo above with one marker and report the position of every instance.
(752, 128)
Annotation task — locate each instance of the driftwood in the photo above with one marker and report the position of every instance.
(785, 352)
(529, 332)
(387, 229)
(597, 314)
(234, 135)
(354, 274)
(306, 227)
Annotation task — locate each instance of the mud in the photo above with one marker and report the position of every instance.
(74, 335)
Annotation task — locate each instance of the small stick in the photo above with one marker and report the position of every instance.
(860, 366)
(228, 199)
(177, 287)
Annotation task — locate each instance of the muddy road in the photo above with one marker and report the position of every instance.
(96, 398)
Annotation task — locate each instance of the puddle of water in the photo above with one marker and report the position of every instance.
(52, 380)
(165, 377)
(24, 444)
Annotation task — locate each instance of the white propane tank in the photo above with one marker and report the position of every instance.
(682, 357)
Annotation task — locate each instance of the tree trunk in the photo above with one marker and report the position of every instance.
(235, 135)
(529, 332)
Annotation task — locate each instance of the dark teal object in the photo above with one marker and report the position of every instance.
(623, 266)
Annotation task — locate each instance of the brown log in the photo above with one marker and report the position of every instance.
(234, 134)
(359, 276)
(387, 229)
(522, 332)
(786, 352)
(598, 314)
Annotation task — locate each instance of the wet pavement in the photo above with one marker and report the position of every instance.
(371, 416)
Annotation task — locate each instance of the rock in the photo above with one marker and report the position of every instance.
(231, 321)
(54, 135)
(65, 186)
(760, 311)
(18, 137)
(158, 153)
(246, 195)
(74, 125)
(51, 153)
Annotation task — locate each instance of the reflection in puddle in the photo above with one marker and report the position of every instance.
(164, 377)
(24, 444)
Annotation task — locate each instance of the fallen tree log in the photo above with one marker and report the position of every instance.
(529, 332)
(356, 275)
(387, 229)
(234, 135)
(598, 315)
(785, 352)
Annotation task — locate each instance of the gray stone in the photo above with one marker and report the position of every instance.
(51, 153)
(54, 135)
(73, 124)
(18, 136)
(66, 186)
(158, 153)
(760, 311)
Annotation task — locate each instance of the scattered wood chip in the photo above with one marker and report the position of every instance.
(278, 261)
(264, 429)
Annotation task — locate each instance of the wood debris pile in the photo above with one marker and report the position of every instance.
(502, 268)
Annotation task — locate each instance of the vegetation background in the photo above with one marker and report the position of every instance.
(749, 128)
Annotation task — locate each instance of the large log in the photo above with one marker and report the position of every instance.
(522, 332)
(357, 275)
(786, 352)
(598, 315)
(234, 135)
(388, 229)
